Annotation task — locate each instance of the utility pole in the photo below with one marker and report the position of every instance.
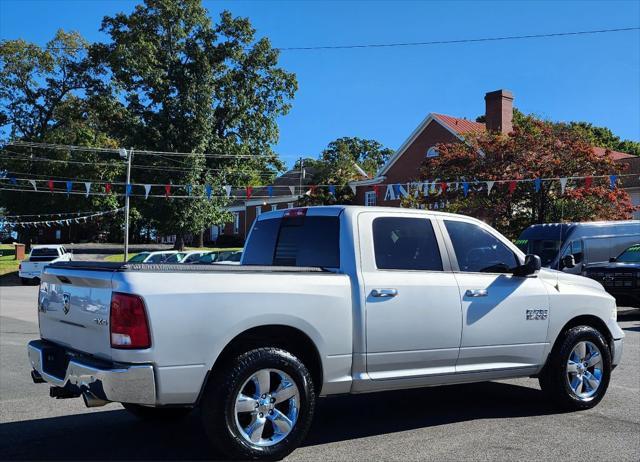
(129, 156)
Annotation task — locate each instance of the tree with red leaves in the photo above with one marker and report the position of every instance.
(535, 149)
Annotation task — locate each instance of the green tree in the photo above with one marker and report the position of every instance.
(193, 86)
(344, 160)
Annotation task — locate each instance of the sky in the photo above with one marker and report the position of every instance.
(384, 93)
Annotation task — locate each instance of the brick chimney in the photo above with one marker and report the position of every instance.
(499, 111)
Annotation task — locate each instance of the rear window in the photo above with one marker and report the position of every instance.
(44, 252)
(295, 241)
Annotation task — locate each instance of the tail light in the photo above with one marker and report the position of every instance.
(20, 267)
(293, 213)
(128, 322)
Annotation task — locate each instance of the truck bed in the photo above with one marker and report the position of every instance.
(115, 267)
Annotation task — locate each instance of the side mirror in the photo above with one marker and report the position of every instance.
(532, 265)
(568, 261)
(612, 259)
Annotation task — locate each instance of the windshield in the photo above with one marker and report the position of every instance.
(546, 249)
(632, 254)
(138, 258)
(175, 258)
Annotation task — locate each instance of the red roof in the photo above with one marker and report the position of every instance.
(460, 126)
(615, 155)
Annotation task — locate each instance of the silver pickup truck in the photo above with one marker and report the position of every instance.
(328, 300)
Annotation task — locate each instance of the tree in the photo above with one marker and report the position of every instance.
(197, 87)
(343, 161)
(535, 149)
(56, 94)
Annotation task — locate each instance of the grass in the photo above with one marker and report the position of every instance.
(118, 257)
(7, 262)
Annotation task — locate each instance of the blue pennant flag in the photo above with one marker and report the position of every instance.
(465, 188)
(332, 190)
(127, 190)
(207, 189)
(537, 184)
(69, 186)
(612, 181)
(189, 188)
(270, 191)
(13, 180)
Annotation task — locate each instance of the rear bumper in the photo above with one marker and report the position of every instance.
(29, 274)
(124, 383)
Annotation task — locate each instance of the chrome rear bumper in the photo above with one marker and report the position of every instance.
(124, 383)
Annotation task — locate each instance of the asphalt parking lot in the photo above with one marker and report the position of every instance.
(507, 420)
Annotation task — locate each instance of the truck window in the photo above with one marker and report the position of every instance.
(295, 241)
(405, 244)
(477, 250)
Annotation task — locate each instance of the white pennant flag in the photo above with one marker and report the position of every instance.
(353, 188)
(292, 189)
(490, 186)
(227, 190)
(33, 183)
(563, 184)
(147, 188)
(87, 187)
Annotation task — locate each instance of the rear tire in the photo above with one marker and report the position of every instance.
(578, 371)
(157, 413)
(259, 406)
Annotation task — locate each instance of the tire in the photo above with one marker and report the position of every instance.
(570, 384)
(157, 413)
(264, 377)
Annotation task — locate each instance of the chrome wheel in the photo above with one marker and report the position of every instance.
(266, 407)
(584, 370)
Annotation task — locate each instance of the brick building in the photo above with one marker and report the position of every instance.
(404, 166)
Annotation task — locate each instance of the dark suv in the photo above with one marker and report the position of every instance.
(621, 277)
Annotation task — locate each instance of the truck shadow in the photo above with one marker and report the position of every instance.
(115, 435)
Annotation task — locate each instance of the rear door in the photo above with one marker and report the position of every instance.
(412, 303)
(504, 317)
(73, 309)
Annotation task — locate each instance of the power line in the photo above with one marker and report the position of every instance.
(68, 147)
(458, 41)
(426, 43)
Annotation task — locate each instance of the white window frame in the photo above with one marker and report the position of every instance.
(236, 223)
(289, 205)
(258, 210)
(432, 152)
(370, 199)
(274, 207)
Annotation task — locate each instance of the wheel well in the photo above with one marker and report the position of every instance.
(287, 338)
(591, 321)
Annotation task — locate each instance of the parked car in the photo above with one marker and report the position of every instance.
(229, 258)
(31, 268)
(621, 276)
(328, 301)
(153, 257)
(587, 243)
(193, 256)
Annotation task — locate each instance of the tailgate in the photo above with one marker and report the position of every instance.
(73, 309)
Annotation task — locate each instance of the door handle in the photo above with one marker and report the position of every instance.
(476, 293)
(384, 293)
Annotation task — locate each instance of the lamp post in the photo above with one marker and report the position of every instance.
(129, 156)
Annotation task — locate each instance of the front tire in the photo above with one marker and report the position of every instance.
(259, 406)
(578, 371)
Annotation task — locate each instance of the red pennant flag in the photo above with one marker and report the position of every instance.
(167, 190)
(444, 186)
(249, 191)
(107, 188)
(587, 182)
(375, 190)
(50, 185)
(512, 187)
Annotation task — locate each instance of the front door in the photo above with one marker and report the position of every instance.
(504, 317)
(412, 303)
